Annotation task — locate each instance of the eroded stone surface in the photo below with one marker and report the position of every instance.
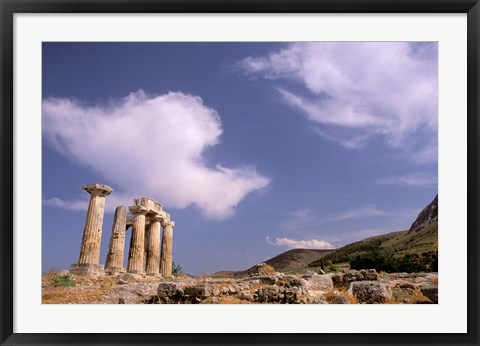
(89, 258)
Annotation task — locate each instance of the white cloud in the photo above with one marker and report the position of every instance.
(417, 179)
(150, 146)
(358, 90)
(300, 244)
(366, 211)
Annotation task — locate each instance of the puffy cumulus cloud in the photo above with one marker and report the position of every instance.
(358, 90)
(150, 146)
(300, 244)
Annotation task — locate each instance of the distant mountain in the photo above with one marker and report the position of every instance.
(296, 258)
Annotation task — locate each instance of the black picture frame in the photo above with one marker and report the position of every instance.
(10, 7)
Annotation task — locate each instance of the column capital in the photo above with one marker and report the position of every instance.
(98, 189)
(138, 210)
(156, 218)
(166, 223)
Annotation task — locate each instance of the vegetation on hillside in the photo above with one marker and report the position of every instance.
(386, 262)
(397, 245)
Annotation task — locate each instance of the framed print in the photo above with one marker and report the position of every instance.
(240, 173)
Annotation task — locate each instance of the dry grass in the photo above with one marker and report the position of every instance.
(232, 300)
(269, 269)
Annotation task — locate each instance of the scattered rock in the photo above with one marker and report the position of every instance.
(338, 280)
(198, 293)
(294, 281)
(431, 292)
(370, 292)
(136, 293)
(125, 279)
(309, 273)
(320, 283)
(261, 269)
(370, 275)
(337, 299)
(406, 286)
(169, 292)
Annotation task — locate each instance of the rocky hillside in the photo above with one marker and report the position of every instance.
(428, 216)
(397, 243)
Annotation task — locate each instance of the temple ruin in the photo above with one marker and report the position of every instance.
(148, 254)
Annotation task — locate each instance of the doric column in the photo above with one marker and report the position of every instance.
(145, 246)
(116, 249)
(153, 247)
(88, 262)
(135, 256)
(167, 245)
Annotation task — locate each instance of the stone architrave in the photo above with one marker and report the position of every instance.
(137, 243)
(167, 246)
(116, 249)
(153, 247)
(88, 262)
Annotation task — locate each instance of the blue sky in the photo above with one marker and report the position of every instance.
(253, 148)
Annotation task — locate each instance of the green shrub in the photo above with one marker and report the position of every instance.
(176, 269)
(62, 280)
(410, 263)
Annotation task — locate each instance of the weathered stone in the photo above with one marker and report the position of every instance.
(125, 279)
(88, 262)
(294, 281)
(248, 296)
(146, 238)
(309, 273)
(153, 247)
(169, 292)
(260, 269)
(337, 299)
(320, 283)
(338, 280)
(150, 205)
(116, 249)
(167, 246)
(198, 292)
(137, 242)
(370, 275)
(371, 292)
(136, 293)
(431, 292)
(407, 286)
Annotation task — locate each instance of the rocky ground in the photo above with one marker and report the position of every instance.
(260, 286)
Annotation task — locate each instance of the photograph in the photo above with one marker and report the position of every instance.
(300, 172)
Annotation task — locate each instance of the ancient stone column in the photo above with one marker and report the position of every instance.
(135, 256)
(167, 245)
(153, 247)
(145, 246)
(116, 249)
(88, 262)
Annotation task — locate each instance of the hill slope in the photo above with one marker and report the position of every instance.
(296, 258)
(396, 243)
(420, 238)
